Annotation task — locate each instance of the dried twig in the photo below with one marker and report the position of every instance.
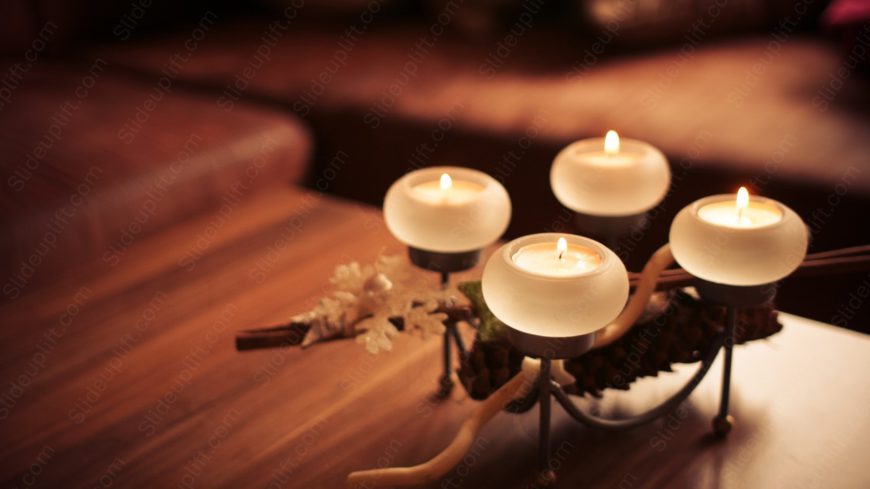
(432, 470)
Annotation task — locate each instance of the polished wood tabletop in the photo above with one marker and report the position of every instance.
(127, 376)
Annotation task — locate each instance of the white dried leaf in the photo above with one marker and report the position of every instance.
(351, 277)
(379, 334)
(365, 297)
(424, 320)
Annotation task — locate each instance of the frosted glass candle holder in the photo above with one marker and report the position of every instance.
(468, 213)
(627, 181)
(552, 312)
(763, 243)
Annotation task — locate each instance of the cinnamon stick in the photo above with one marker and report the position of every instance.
(292, 334)
(826, 263)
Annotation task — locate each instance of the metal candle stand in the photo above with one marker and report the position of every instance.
(548, 349)
(444, 264)
(608, 229)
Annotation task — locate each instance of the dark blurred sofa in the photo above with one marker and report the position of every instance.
(764, 100)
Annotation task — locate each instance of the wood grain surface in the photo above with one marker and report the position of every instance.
(127, 376)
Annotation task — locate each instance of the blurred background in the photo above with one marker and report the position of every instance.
(121, 119)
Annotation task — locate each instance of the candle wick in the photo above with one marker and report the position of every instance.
(560, 255)
(739, 215)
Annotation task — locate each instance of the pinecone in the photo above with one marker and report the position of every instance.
(680, 334)
(488, 366)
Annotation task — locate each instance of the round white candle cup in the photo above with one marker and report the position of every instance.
(610, 177)
(756, 243)
(529, 287)
(463, 211)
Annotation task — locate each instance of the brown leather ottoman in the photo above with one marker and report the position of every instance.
(94, 160)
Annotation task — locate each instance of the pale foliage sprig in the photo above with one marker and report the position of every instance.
(366, 297)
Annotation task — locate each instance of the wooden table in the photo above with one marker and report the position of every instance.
(128, 376)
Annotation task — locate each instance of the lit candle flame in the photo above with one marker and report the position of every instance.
(611, 143)
(446, 182)
(561, 248)
(742, 202)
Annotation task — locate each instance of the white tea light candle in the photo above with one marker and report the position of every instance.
(610, 177)
(446, 191)
(447, 209)
(531, 288)
(739, 214)
(738, 239)
(561, 260)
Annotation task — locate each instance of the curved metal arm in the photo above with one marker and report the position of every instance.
(653, 413)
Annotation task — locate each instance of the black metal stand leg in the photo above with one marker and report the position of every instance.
(457, 338)
(446, 380)
(723, 422)
(546, 475)
(445, 383)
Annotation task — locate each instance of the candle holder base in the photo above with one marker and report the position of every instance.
(734, 295)
(443, 262)
(546, 478)
(722, 425)
(547, 387)
(451, 335)
(445, 387)
(608, 228)
(548, 347)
